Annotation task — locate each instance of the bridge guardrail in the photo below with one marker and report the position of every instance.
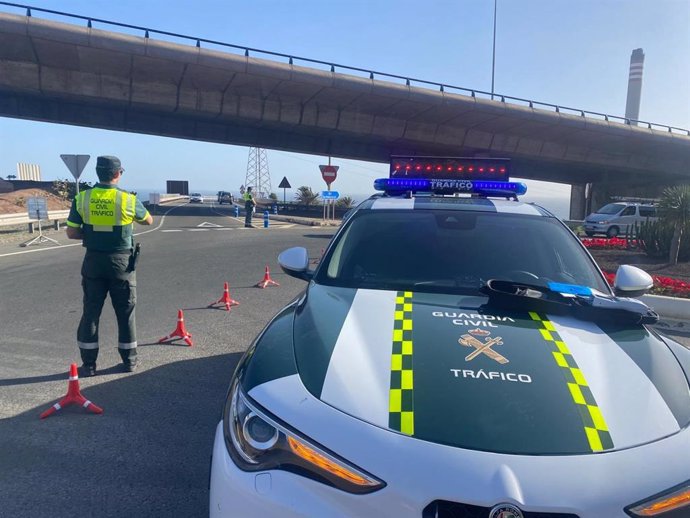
(164, 198)
(409, 81)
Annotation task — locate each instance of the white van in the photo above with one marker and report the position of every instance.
(617, 218)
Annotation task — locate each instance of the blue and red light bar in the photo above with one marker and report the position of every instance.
(452, 168)
(449, 175)
(442, 186)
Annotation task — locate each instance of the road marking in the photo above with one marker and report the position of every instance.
(272, 227)
(207, 224)
(79, 244)
(274, 223)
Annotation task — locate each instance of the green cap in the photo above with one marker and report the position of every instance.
(108, 163)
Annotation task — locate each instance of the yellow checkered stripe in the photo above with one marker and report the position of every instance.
(401, 404)
(596, 430)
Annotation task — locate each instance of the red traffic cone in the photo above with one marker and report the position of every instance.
(73, 396)
(179, 332)
(225, 299)
(266, 281)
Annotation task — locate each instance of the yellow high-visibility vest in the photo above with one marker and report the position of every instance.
(105, 209)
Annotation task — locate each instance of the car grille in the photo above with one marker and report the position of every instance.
(445, 509)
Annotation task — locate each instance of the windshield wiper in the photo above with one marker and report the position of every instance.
(580, 301)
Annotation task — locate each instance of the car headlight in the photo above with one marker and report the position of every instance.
(258, 441)
(674, 503)
(606, 222)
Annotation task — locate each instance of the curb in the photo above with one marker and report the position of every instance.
(668, 307)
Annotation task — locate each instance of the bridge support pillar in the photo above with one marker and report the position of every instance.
(578, 201)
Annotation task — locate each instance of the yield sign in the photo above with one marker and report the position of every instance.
(329, 173)
(206, 224)
(75, 163)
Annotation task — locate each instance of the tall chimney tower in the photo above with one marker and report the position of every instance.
(632, 104)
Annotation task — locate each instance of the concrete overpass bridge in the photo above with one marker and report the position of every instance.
(205, 90)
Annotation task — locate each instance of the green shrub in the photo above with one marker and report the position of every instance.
(346, 202)
(655, 238)
(67, 189)
(306, 196)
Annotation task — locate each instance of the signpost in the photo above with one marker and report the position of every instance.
(76, 164)
(284, 184)
(37, 208)
(329, 173)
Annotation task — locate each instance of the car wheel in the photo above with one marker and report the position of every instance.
(612, 232)
(589, 234)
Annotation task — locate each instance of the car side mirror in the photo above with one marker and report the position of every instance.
(295, 262)
(631, 281)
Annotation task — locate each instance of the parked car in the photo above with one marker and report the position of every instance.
(456, 357)
(618, 218)
(196, 197)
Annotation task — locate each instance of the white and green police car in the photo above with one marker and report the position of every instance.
(456, 357)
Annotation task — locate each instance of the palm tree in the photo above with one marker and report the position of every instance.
(306, 196)
(346, 202)
(674, 209)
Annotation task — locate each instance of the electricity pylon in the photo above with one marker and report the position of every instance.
(258, 176)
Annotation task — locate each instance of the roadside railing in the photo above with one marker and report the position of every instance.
(55, 216)
(372, 74)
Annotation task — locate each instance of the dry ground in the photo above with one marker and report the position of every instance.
(13, 202)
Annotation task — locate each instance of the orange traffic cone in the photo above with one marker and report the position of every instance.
(73, 396)
(179, 332)
(225, 299)
(266, 281)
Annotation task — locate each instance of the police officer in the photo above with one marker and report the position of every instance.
(102, 217)
(249, 204)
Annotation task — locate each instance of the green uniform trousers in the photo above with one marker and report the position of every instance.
(106, 273)
(248, 213)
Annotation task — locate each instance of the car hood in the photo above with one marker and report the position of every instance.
(595, 217)
(447, 369)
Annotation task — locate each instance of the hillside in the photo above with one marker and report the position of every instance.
(15, 202)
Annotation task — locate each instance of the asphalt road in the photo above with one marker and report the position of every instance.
(148, 454)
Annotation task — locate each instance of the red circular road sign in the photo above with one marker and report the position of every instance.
(329, 173)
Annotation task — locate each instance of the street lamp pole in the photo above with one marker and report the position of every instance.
(493, 60)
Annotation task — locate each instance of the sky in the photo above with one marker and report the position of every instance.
(571, 53)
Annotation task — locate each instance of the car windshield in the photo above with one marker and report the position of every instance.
(611, 208)
(449, 250)
(196, 194)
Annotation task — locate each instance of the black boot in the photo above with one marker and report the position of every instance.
(87, 370)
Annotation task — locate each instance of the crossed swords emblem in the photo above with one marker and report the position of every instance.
(482, 347)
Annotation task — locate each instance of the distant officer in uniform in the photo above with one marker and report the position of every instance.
(249, 205)
(103, 218)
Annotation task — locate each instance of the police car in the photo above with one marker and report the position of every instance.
(456, 357)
